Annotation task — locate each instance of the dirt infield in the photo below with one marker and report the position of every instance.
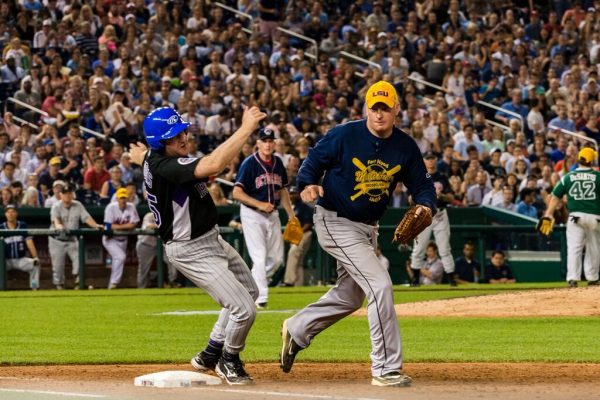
(446, 381)
(567, 302)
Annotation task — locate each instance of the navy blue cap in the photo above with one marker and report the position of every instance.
(266, 133)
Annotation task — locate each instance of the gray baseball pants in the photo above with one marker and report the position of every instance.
(25, 264)
(359, 273)
(58, 249)
(213, 265)
(146, 255)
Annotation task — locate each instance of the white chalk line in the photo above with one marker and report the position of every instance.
(217, 312)
(67, 394)
(289, 394)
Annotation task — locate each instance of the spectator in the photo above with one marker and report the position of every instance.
(57, 188)
(50, 175)
(477, 192)
(525, 206)
(95, 176)
(514, 106)
(497, 271)
(562, 120)
(110, 187)
(432, 271)
(494, 197)
(8, 174)
(508, 199)
(468, 269)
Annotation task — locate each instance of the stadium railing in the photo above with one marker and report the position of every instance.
(575, 134)
(236, 12)
(80, 234)
(441, 89)
(304, 38)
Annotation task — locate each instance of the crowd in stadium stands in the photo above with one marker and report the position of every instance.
(103, 65)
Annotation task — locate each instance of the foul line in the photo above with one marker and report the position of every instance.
(282, 394)
(217, 312)
(95, 396)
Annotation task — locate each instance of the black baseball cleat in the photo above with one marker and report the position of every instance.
(233, 372)
(572, 283)
(289, 349)
(204, 363)
(594, 283)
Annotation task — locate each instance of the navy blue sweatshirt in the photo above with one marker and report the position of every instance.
(362, 170)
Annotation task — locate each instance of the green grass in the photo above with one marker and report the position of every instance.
(120, 327)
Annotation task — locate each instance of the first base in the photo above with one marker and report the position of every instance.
(173, 379)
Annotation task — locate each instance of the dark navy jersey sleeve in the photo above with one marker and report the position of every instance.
(245, 173)
(320, 158)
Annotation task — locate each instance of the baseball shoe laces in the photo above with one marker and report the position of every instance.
(202, 362)
(392, 379)
(233, 372)
(289, 349)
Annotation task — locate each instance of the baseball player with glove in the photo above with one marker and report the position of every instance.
(582, 188)
(120, 215)
(186, 217)
(440, 226)
(15, 248)
(260, 186)
(360, 163)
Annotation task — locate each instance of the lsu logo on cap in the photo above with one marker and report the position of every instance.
(381, 92)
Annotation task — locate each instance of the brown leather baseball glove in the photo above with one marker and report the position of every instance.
(416, 219)
(293, 231)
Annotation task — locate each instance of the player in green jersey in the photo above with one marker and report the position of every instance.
(582, 188)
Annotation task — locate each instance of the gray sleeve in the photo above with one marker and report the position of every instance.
(83, 214)
(54, 213)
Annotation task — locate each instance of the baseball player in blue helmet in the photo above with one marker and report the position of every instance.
(351, 173)
(162, 124)
(186, 219)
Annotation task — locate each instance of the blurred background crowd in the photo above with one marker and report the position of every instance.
(512, 81)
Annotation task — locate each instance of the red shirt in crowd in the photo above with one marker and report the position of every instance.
(95, 179)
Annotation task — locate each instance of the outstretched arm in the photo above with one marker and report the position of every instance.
(216, 162)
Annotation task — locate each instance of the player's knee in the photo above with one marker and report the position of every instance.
(246, 313)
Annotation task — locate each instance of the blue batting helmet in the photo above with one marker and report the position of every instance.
(161, 124)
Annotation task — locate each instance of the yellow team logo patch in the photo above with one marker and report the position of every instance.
(373, 179)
